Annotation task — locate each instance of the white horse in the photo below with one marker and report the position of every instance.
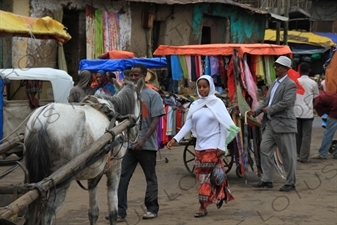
(57, 133)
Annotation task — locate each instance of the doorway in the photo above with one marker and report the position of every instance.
(75, 49)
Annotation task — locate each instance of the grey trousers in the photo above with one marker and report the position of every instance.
(303, 138)
(286, 143)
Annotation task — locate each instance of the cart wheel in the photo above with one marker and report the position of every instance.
(189, 155)
(166, 160)
(333, 146)
(228, 160)
(238, 172)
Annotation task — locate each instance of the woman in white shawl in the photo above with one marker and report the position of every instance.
(211, 124)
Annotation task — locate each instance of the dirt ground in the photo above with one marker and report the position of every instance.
(314, 201)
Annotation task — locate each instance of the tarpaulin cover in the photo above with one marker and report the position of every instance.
(223, 49)
(117, 55)
(44, 27)
(121, 64)
(300, 37)
(301, 49)
(332, 36)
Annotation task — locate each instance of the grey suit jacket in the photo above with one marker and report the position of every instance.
(281, 110)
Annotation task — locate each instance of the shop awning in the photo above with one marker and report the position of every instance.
(300, 37)
(223, 49)
(42, 28)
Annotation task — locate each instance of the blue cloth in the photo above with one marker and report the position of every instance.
(207, 66)
(121, 64)
(177, 72)
(101, 72)
(329, 132)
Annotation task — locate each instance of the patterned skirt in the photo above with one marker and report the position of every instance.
(208, 193)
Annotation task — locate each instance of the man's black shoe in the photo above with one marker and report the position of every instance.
(262, 184)
(287, 188)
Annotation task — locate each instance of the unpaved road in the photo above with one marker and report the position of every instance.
(313, 203)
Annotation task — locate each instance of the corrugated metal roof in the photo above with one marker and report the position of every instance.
(229, 2)
(182, 2)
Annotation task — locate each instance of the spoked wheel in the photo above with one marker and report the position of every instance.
(228, 160)
(189, 157)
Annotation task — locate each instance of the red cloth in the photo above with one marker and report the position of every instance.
(231, 81)
(294, 75)
(165, 138)
(208, 193)
(326, 102)
(117, 55)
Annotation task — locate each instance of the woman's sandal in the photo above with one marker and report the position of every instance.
(200, 214)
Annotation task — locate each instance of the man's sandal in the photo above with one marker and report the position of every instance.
(200, 214)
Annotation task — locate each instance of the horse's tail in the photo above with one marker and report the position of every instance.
(38, 165)
(37, 155)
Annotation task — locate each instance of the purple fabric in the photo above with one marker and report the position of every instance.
(214, 65)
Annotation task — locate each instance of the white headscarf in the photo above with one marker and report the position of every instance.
(217, 107)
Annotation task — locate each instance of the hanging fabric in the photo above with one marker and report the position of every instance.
(176, 70)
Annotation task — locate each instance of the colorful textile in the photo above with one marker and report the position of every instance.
(231, 81)
(207, 66)
(176, 70)
(183, 64)
(188, 64)
(208, 193)
(102, 32)
(193, 69)
(214, 62)
(294, 75)
(251, 86)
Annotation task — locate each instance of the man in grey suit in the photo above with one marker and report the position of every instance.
(278, 126)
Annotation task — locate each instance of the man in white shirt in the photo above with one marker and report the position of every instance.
(304, 112)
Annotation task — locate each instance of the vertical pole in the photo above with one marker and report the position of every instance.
(1, 107)
(278, 24)
(286, 23)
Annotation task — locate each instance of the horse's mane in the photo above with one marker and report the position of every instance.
(123, 101)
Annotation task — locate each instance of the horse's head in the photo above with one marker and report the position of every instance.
(127, 101)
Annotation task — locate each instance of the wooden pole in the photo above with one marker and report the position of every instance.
(64, 171)
(286, 23)
(10, 144)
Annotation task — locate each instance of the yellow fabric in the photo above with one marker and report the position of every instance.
(300, 37)
(44, 27)
(260, 75)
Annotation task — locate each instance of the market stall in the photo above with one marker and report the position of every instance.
(238, 71)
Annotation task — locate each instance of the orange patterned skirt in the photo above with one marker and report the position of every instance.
(208, 193)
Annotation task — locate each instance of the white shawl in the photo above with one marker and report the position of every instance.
(217, 107)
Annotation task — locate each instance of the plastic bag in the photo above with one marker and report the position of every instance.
(218, 175)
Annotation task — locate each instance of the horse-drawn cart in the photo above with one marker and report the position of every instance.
(95, 137)
(15, 110)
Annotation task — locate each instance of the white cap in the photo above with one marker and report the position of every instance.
(284, 61)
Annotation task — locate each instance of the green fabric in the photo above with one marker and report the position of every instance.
(99, 43)
(243, 105)
(271, 69)
(232, 132)
(183, 64)
(61, 59)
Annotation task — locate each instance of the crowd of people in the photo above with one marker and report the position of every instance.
(286, 125)
(98, 84)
